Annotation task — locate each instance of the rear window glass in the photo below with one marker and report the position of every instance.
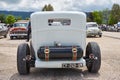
(92, 25)
(59, 22)
(20, 25)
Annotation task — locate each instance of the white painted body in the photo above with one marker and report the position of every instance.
(45, 35)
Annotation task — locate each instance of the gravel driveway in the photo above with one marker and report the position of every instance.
(110, 68)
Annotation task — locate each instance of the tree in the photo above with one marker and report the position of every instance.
(48, 7)
(105, 15)
(114, 14)
(97, 17)
(27, 18)
(18, 18)
(44, 8)
(10, 19)
(89, 17)
(111, 20)
(2, 18)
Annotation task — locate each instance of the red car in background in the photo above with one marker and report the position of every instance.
(19, 29)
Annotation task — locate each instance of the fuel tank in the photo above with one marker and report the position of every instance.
(60, 52)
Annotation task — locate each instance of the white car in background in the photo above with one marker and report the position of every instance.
(93, 30)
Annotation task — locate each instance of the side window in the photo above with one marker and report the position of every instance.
(59, 22)
(14, 24)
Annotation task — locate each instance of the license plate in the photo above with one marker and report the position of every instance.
(72, 65)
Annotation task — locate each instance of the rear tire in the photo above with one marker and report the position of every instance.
(93, 48)
(22, 65)
(11, 37)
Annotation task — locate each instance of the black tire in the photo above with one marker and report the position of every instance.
(100, 35)
(5, 36)
(93, 48)
(118, 30)
(11, 37)
(22, 65)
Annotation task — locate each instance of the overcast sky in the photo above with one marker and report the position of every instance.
(69, 5)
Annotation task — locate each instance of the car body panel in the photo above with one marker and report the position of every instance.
(72, 32)
(57, 64)
(50, 34)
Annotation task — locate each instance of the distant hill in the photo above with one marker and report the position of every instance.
(24, 15)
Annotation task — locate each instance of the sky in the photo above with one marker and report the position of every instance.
(59, 5)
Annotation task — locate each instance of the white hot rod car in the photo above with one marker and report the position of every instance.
(58, 41)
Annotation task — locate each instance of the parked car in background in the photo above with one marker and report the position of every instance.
(112, 28)
(118, 27)
(93, 30)
(3, 30)
(19, 29)
(103, 27)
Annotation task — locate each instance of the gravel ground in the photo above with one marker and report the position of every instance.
(110, 67)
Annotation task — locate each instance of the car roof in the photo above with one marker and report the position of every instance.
(22, 21)
(91, 23)
(77, 19)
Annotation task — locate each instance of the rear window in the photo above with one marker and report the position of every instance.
(59, 22)
(91, 25)
(20, 25)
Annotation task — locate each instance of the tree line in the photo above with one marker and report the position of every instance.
(48, 7)
(9, 19)
(106, 16)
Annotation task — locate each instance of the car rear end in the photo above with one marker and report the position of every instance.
(19, 30)
(58, 39)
